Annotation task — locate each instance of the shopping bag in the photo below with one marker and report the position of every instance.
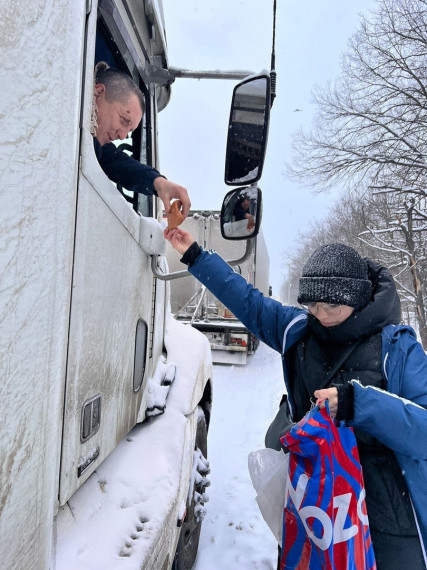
(325, 524)
(268, 469)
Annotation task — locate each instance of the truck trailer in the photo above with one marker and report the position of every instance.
(193, 304)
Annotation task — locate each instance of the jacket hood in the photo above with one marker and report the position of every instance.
(382, 309)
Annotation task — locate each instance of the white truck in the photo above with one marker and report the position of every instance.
(88, 348)
(193, 304)
(89, 351)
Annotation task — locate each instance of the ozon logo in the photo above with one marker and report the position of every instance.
(335, 530)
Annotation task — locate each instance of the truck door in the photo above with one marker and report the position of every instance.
(112, 338)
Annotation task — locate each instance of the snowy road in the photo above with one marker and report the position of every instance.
(234, 534)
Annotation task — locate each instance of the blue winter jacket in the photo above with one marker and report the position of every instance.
(396, 417)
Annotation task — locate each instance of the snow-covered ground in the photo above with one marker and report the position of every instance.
(234, 534)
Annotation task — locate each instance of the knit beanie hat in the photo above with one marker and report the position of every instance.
(335, 273)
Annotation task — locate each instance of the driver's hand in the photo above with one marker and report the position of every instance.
(168, 190)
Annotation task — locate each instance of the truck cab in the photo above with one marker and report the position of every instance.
(93, 378)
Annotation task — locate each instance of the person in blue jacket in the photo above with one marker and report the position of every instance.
(380, 390)
(118, 109)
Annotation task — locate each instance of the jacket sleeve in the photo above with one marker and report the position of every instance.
(397, 418)
(126, 171)
(264, 317)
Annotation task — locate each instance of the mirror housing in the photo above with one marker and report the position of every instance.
(241, 213)
(248, 130)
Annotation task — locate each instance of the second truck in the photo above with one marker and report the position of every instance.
(192, 303)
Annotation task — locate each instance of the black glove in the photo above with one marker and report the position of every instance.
(345, 409)
(191, 254)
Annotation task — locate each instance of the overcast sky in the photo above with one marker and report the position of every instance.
(237, 34)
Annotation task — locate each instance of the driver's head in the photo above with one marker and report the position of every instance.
(119, 104)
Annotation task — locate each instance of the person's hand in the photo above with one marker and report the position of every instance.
(251, 222)
(330, 394)
(179, 239)
(168, 190)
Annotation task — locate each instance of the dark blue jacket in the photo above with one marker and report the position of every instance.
(124, 170)
(240, 213)
(396, 417)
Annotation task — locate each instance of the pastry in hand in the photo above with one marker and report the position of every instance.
(175, 216)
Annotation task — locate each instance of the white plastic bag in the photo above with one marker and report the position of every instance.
(268, 469)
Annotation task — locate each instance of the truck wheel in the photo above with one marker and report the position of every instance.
(188, 543)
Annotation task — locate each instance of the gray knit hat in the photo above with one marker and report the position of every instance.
(335, 273)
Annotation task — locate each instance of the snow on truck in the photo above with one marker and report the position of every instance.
(105, 398)
(193, 304)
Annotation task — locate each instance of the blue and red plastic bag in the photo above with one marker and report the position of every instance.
(325, 524)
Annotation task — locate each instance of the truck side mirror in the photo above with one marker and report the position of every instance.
(248, 131)
(241, 213)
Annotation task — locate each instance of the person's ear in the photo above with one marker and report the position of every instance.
(99, 90)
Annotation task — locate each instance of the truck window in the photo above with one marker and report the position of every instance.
(111, 49)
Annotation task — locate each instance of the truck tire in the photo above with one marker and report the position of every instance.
(188, 543)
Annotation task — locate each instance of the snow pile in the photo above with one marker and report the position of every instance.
(116, 519)
(113, 519)
(158, 388)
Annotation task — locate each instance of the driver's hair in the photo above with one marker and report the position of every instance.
(118, 85)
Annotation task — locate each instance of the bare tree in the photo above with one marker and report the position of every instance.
(402, 239)
(372, 122)
(371, 135)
